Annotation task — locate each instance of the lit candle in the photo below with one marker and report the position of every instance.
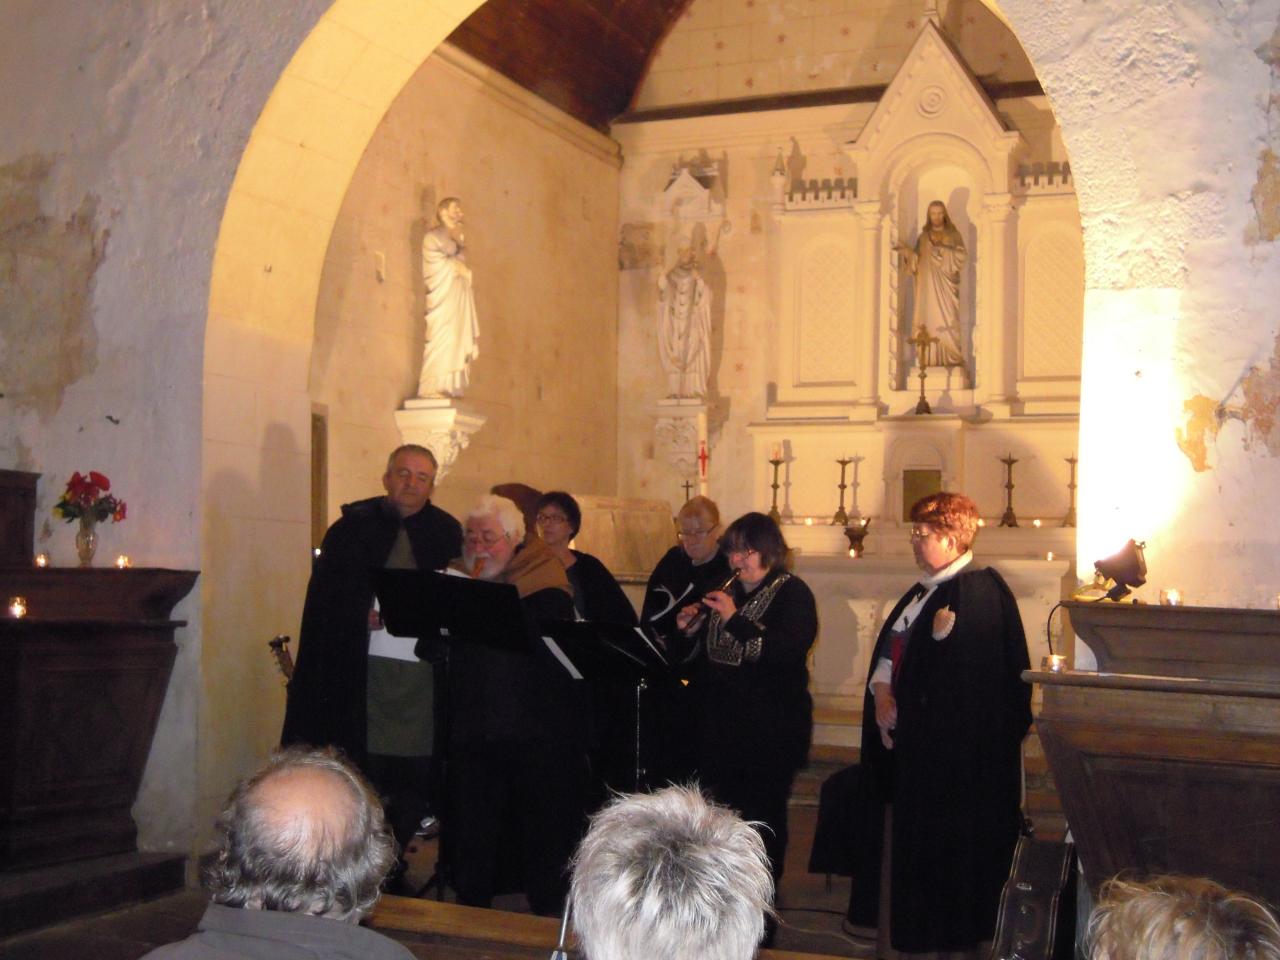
(1055, 663)
(42, 560)
(853, 553)
(981, 522)
(1036, 523)
(315, 552)
(777, 452)
(17, 607)
(1049, 555)
(808, 521)
(123, 561)
(1171, 597)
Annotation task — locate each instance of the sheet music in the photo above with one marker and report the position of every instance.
(383, 643)
(649, 643)
(562, 657)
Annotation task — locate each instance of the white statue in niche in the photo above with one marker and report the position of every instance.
(452, 327)
(937, 260)
(684, 324)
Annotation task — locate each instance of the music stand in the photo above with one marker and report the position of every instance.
(437, 608)
(599, 650)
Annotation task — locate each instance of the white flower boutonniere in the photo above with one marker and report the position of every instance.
(943, 623)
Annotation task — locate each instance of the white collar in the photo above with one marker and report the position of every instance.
(949, 571)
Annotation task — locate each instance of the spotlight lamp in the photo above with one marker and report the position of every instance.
(1124, 569)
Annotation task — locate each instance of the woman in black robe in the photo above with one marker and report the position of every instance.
(944, 752)
(755, 716)
(596, 594)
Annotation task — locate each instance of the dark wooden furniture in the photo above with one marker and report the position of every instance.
(1168, 758)
(82, 680)
(17, 517)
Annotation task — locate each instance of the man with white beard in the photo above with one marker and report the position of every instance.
(517, 740)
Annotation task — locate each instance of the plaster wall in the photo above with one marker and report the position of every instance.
(121, 135)
(1169, 111)
(540, 198)
(726, 49)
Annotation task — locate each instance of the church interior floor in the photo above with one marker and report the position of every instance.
(811, 911)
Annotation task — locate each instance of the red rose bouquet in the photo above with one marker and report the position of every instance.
(88, 497)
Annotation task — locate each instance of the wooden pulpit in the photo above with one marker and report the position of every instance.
(1167, 758)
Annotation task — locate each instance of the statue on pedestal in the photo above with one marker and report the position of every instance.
(452, 327)
(684, 327)
(937, 260)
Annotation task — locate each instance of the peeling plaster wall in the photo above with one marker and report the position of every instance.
(119, 138)
(1168, 110)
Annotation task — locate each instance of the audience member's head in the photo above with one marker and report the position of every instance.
(669, 875)
(492, 531)
(699, 523)
(1180, 918)
(305, 834)
(410, 478)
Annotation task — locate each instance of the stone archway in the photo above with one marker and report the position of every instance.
(1142, 284)
(266, 274)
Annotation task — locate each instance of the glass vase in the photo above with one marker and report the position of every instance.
(87, 540)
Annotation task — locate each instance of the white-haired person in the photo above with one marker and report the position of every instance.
(517, 755)
(1180, 918)
(304, 850)
(670, 875)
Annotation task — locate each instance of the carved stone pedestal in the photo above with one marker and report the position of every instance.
(444, 426)
(680, 436)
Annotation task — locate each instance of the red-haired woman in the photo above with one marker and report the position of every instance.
(950, 711)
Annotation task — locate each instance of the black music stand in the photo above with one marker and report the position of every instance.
(599, 650)
(435, 608)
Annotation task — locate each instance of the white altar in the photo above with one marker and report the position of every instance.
(811, 359)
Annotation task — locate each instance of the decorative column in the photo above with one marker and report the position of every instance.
(867, 404)
(441, 424)
(995, 381)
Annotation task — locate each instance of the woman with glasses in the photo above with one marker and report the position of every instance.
(950, 710)
(596, 594)
(688, 570)
(694, 566)
(752, 681)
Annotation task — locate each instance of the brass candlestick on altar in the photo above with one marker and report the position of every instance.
(1010, 519)
(922, 342)
(774, 513)
(1070, 519)
(841, 518)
